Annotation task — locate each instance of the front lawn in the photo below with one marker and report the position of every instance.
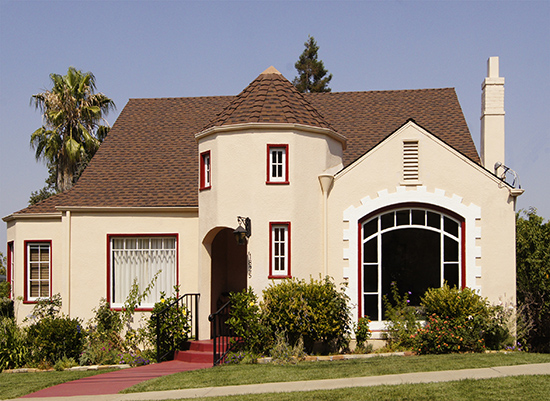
(250, 374)
(516, 388)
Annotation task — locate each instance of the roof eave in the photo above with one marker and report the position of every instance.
(272, 127)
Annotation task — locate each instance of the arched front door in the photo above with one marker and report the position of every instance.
(414, 246)
(229, 267)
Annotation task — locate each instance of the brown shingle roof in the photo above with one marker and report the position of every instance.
(149, 158)
(270, 98)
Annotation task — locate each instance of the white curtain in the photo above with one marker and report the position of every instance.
(141, 258)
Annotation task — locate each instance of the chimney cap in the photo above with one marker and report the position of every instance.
(492, 67)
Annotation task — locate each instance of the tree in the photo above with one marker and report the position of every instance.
(533, 278)
(312, 75)
(72, 131)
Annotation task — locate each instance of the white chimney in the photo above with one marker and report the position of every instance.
(492, 117)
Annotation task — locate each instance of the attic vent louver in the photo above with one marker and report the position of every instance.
(410, 161)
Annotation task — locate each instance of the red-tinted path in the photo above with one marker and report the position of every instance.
(114, 382)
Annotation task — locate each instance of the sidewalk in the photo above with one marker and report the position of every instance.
(420, 377)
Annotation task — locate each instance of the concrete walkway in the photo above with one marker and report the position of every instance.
(420, 377)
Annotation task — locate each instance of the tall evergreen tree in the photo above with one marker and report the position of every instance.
(72, 130)
(312, 75)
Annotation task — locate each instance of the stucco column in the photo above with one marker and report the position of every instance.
(326, 181)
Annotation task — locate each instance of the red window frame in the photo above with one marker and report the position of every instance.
(269, 179)
(109, 273)
(272, 273)
(420, 205)
(205, 170)
(26, 297)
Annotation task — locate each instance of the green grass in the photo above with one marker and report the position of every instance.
(252, 374)
(506, 389)
(13, 385)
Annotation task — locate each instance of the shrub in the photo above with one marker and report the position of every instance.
(105, 319)
(134, 359)
(46, 307)
(53, 338)
(454, 302)
(173, 324)
(315, 312)
(65, 363)
(6, 308)
(101, 349)
(362, 333)
(283, 353)
(13, 347)
(4, 289)
(460, 321)
(245, 321)
(445, 335)
(401, 319)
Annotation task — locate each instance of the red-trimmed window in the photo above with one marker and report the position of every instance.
(9, 268)
(279, 251)
(206, 172)
(144, 259)
(38, 270)
(277, 164)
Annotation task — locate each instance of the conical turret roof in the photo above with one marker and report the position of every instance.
(270, 98)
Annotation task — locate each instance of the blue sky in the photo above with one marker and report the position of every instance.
(143, 49)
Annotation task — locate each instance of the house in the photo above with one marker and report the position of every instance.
(366, 187)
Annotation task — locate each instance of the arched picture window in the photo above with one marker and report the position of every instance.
(414, 247)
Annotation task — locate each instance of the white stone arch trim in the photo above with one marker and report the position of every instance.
(352, 215)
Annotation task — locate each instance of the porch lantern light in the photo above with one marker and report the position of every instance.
(242, 233)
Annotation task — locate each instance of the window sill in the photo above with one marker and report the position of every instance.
(272, 277)
(277, 182)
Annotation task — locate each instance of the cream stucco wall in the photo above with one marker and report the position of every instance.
(79, 250)
(239, 174)
(446, 179)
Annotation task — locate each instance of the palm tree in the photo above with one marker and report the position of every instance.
(71, 132)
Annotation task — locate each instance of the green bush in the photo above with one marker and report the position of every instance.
(4, 289)
(460, 321)
(106, 320)
(6, 308)
(13, 348)
(444, 335)
(53, 338)
(102, 349)
(173, 324)
(362, 333)
(454, 302)
(314, 312)
(402, 320)
(245, 321)
(283, 353)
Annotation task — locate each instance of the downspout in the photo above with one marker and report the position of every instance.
(326, 181)
(69, 235)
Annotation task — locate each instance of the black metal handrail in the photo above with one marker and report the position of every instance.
(222, 334)
(165, 351)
